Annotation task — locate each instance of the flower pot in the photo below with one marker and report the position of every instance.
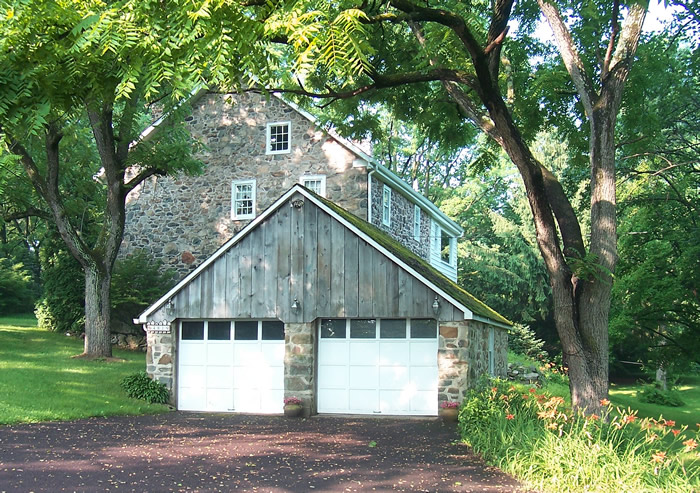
(449, 414)
(293, 410)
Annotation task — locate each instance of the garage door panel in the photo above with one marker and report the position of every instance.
(246, 354)
(393, 377)
(363, 377)
(424, 378)
(272, 353)
(218, 354)
(363, 352)
(364, 401)
(219, 399)
(333, 400)
(333, 377)
(423, 353)
(424, 402)
(246, 400)
(393, 353)
(334, 353)
(394, 401)
(192, 399)
(272, 400)
(269, 377)
(193, 376)
(219, 377)
(192, 353)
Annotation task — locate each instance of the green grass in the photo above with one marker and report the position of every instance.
(40, 381)
(689, 414)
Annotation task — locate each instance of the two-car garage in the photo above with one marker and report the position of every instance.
(365, 366)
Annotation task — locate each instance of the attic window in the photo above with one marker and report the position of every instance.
(315, 183)
(278, 135)
(243, 199)
(445, 247)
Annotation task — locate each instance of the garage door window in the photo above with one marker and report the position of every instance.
(363, 329)
(392, 328)
(332, 328)
(192, 331)
(273, 331)
(423, 328)
(219, 331)
(246, 331)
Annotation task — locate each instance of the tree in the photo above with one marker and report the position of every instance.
(454, 55)
(84, 72)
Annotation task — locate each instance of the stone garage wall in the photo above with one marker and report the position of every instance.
(299, 364)
(182, 220)
(159, 358)
(463, 356)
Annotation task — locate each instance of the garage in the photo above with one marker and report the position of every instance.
(231, 366)
(378, 366)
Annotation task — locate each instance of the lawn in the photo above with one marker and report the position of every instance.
(42, 382)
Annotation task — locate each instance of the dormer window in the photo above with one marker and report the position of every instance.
(315, 183)
(278, 138)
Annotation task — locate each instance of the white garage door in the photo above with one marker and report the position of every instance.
(231, 366)
(383, 366)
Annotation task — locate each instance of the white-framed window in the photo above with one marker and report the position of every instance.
(416, 222)
(444, 244)
(278, 138)
(386, 205)
(243, 199)
(315, 183)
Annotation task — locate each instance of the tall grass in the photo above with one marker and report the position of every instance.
(535, 436)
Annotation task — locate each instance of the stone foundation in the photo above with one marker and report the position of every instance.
(299, 364)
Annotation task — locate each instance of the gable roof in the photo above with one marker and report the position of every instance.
(420, 269)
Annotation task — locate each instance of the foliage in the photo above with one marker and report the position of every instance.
(653, 394)
(42, 382)
(534, 436)
(522, 340)
(15, 288)
(141, 386)
(295, 401)
(62, 307)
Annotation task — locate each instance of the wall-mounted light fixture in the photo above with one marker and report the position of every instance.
(436, 306)
(170, 305)
(295, 305)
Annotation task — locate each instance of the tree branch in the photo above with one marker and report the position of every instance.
(613, 38)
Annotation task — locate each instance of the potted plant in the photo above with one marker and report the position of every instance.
(292, 407)
(449, 411)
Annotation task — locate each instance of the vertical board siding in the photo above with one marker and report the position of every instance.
(310, 261)
(351, 274)
(307, 254)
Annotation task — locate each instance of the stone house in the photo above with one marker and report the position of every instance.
(337, 289)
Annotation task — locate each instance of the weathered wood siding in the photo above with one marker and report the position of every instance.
(304, 253)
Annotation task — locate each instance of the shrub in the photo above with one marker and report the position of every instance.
(522, 340)
(62, 307)
(535, 437)
(141, 386)
(653, 394)
(15, 288)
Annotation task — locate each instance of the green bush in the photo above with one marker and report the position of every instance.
(140, 386)
(537, 438)
(62, 307)
(15, 288)
(138, 281)
(653, 394)
(523, 340)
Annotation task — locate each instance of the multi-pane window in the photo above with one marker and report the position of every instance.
(416, 223)
(278, 135)
(315, 183)
(445, 247)
(386, 205)
(389, 328)
(243, 199)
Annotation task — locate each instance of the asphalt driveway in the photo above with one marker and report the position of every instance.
(216, 452)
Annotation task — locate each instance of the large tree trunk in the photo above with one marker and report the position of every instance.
(97, 312)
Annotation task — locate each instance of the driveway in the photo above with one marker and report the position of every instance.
(225, 452)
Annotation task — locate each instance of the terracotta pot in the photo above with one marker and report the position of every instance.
(449, 414)
(293, 410)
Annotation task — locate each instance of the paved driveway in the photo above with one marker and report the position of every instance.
(215, 452)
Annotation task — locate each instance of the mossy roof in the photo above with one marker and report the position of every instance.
(416, 263)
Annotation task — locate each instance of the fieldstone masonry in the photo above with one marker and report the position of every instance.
(182, 220)
(299, 364)
(159, 357)
(463, 356)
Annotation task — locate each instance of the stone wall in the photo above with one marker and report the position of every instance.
(182, 220)
(159, 358)
(299, 364)
(401, 224)
(463, 357)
